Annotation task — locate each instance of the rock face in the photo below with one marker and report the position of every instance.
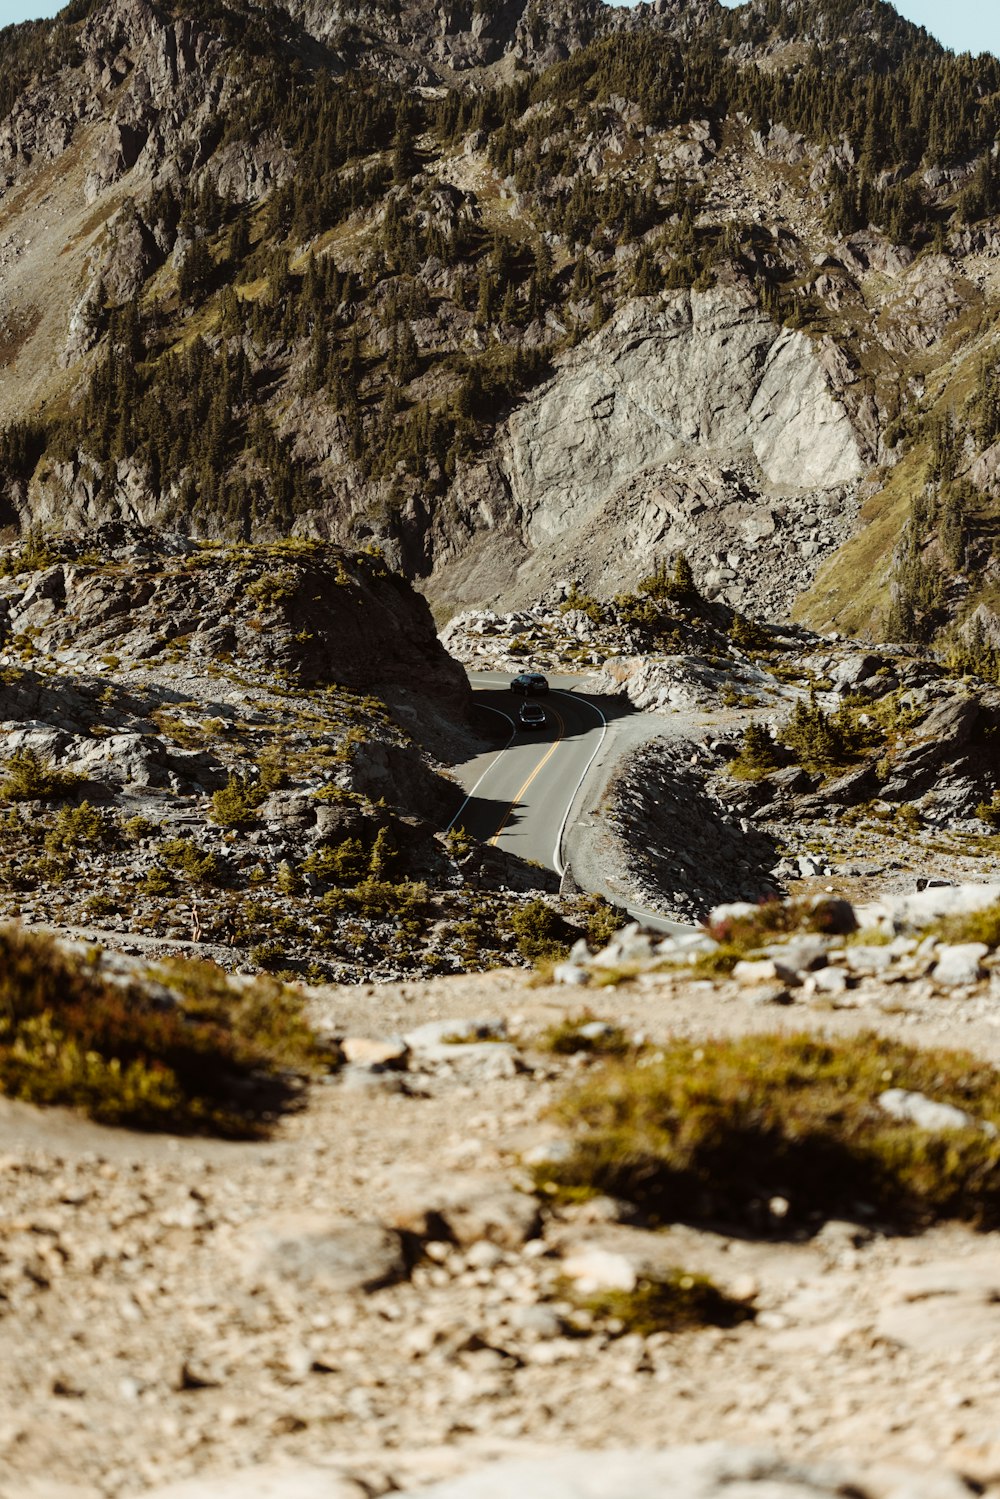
(709, 372)
(685, 848)
(690, 423)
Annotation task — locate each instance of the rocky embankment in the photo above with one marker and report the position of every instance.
(689, 823)
(386, 1294)
(240, 749)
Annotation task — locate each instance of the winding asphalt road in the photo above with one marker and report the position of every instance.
(526, 792)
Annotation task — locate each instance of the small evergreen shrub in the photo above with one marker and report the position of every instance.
(539, 932)
(185, 858)
(32, 777)
(989, 812)
(237, 801)
(758, 753)
(78, 826)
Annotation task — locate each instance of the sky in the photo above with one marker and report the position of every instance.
(963, 25)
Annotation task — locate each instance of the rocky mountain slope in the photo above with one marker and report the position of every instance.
(520, 291)
(239, 752)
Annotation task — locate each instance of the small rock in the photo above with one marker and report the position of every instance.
(452, 1032)
(917, 1108)
(537, 1321)
(959, 963)
(596, 1269)
(868, 959)
(484, 1255)
(338, 1254)
(830, 981)
(467, 1208)
(571, 973)
(362, 1051)
(764, 971)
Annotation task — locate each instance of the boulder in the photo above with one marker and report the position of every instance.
(332, 1255)
(465, 1207)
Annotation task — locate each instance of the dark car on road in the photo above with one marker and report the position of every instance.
(532, 716)
(530, 682)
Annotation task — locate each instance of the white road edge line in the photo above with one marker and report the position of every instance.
(557, 855)
(513, 730)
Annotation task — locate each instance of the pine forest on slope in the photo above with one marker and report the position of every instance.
(269, 270)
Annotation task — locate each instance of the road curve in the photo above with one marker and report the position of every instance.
(523, 794)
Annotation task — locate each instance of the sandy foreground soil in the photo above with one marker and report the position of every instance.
(171, 1308)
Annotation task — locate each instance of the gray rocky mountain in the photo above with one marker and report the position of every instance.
(461, 280)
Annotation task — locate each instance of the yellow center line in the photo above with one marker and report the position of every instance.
(543, 761)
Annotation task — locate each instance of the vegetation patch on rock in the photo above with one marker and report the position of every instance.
(674, 1302)
(717, 1130)
(194, 1054)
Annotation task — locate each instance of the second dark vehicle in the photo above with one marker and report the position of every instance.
(530, 682)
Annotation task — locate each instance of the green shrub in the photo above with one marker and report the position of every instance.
(989, 812)
(565, 1039)
(101, 904)
(601, 920)
(380, 898)
(273, 588)
(539, 931)
(78, 825)
(31, 777)
(819, 740)
(977, 926)
(748, 635)
(186, 858)
(712, 1130)
(758, 753)
(673, 1302)
(677, 585)
(137, 828)
(218, 1061)
(236, 801)
(584, 602)
(269, 955)
(157, 882)
(338, 864)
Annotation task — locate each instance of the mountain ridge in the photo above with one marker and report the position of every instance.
(253, 284)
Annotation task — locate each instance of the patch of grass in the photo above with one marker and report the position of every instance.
(566, 1038)
(218, 1061)
(711, 1131)
(976, 926)
(673, 1302)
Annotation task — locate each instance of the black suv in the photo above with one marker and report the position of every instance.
(532, 716)
(530, 682)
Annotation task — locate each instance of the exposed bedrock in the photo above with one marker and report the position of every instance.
(688, 422)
